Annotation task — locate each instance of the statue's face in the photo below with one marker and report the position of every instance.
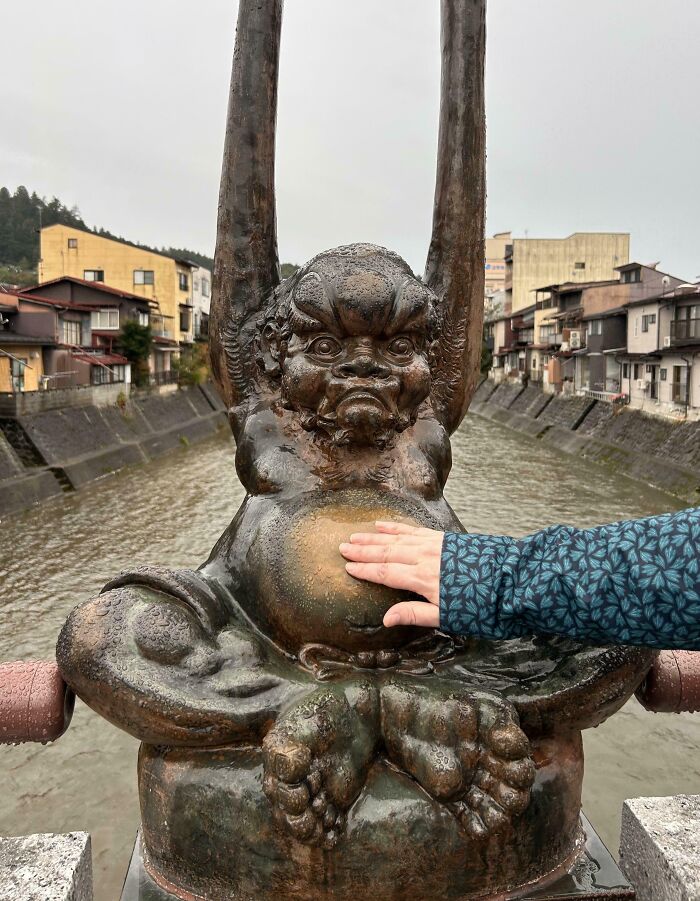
(355, 366)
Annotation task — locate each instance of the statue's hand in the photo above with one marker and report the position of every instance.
(465, 748)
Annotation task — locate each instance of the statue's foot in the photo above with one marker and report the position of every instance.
(316, 759)
(465, 748)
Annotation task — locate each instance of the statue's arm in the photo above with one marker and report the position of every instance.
(455, 265)
(246, 268)
(152, 665)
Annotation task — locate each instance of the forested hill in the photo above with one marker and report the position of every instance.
(21, 214)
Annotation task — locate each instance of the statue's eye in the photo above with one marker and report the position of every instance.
(401, 347)
(325, 347)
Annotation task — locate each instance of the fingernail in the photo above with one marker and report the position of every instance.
(350, 566)
(391, 619)
(343, 547)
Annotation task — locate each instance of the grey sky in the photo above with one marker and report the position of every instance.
(118, 106)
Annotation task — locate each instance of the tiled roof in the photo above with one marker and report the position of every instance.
(104, 359)
(14, 338)
(97, 286)
(50, 301)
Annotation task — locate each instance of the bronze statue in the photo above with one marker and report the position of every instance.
(292, 746)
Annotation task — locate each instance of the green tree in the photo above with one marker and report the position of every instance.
(135, 343)
(193, 365)
(287, 269)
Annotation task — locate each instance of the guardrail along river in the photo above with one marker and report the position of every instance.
(171, 512)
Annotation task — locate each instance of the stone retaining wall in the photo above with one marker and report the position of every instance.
(661, 452)
(45, 453)
(25, 403)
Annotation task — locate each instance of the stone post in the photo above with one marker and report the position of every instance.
(46, 868)
(660, 847)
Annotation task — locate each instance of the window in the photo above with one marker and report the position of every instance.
(183, 281)
(17, 367)
(105, 319)
(142, 317)
(648, 320)
(625, 370)
(72, 243)
(637, 370)
(205, 287)
(664, 374)
(143, 277)
(579, 265)
(595, 327)
(631, 276)
(72, 332)
(548, 333)
(534, 362)
(184, 320)
(94, 275)
(679, 386)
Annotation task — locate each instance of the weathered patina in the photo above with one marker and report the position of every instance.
(294, 748)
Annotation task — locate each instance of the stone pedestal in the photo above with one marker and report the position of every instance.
(594, 877)
(46, 868)
(660, 847)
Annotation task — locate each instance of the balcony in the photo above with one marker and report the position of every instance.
(685, 331)
(168, 377)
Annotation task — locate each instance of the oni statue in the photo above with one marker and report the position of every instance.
(293, 747)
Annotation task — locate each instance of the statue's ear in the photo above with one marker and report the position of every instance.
(269, 344)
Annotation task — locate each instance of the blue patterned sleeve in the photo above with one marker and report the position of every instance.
(634, 583)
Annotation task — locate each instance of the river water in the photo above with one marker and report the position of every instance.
(171, 512)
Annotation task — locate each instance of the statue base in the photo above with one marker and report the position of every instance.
(593, 877)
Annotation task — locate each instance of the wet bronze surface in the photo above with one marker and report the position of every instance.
(291, 744)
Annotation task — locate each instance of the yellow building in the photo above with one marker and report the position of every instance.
(21, 366)
(582, 257)
(165, 281)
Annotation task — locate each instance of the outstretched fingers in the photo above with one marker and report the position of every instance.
(400, 528)
(379, 553)
(404, 576)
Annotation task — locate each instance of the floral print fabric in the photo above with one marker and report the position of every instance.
(635, 583)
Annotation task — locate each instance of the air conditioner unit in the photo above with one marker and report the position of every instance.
(565, 346)
(667, 341)
(575, 340)
(642, 384)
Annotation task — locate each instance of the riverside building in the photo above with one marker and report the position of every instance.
(165, 282)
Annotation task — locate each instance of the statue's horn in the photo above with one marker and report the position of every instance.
(455, 266)
(246, 267)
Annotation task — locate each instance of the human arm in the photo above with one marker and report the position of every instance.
(635, 582)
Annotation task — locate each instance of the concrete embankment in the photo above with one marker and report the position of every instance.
(662, 452)
(44, 452)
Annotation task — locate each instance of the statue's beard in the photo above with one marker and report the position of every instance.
(364, 421)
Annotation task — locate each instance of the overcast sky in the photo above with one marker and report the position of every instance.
(118, 106)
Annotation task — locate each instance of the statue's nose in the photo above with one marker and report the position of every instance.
(362, 366)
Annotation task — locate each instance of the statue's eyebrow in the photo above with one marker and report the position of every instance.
(408, 314)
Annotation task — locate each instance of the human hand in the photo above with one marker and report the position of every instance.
(400, 556)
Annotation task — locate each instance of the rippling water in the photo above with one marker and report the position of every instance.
(171, 512)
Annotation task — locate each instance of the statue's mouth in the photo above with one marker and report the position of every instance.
(363, 395)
